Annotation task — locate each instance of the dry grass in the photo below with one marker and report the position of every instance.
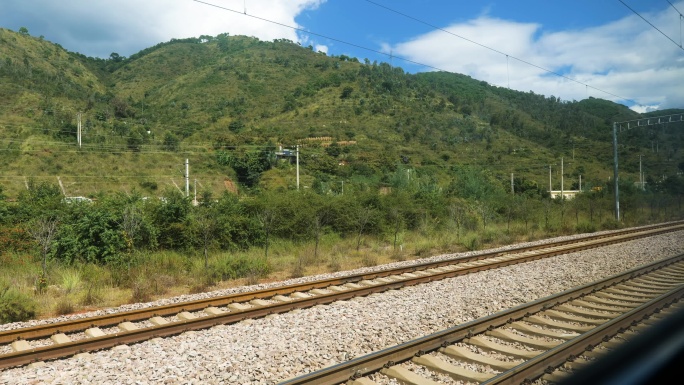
(87, 287)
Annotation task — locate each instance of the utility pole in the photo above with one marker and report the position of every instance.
(550, 188)
(78, 133)
(297, 167)
(562, 178)
(187, 177)
(615, 173)
(641, 176)
(639, 123)
(195, 201)
(512, 188)
(580, 184)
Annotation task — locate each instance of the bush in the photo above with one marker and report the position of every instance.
(141, 291)
(240, 267)
(15, 306)
(335, 263)
(71, 281)
(64, 306)
(471, 242)
(585, 227)
(297, 269)
(610, 224)
(93, 295)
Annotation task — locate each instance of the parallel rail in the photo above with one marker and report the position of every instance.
(578, 325)
(205, 313)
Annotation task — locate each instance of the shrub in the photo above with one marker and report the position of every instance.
(15, 306)
(142, 290)
(471, 242)
(64, 306)
(93, 295)
(610, 224)
(240, 267)
(71, 281)
(369, 259)
(585, 227)
(335, 264)
(298, 268)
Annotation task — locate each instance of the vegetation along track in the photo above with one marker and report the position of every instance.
(543, 340)
(55, 340)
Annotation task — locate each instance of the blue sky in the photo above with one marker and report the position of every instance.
(602, 48)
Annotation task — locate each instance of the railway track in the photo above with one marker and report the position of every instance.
(51, 341)
(546, 340)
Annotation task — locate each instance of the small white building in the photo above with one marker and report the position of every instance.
(567, 194)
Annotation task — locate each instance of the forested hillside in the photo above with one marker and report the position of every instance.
(384, 155)
(226, 103)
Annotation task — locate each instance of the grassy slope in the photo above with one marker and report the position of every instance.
(252, 93)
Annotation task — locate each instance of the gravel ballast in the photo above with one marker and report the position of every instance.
(272, 349)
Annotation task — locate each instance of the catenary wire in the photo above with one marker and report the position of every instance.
(497, 51)
(402, 58)
(651, 24)
(681, 17)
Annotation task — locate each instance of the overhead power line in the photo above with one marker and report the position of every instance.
(499, 52)
(651, 24)
(392, 56)
(681, 18)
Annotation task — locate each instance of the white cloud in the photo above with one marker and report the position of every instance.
(321, 48)
(626, 58)
(97, 28)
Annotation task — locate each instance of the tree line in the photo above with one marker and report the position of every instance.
(111, 228)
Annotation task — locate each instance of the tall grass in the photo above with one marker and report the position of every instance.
(15, 305)
(151, 275)
(70, 280)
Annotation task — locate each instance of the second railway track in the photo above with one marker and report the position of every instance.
(57, 340)
(547, 339)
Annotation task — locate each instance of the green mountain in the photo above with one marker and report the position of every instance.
(228, 104)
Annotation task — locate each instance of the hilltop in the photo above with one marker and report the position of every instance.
(227, 104)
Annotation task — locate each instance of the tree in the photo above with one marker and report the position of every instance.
(511, 207)
(362, 216)
(24, 31)
(131, 222)
(40, 199)
(346, 92)
(562, 209)
(457, 215)
(170, 215)
(205, 227)
(43, 231)
(320, 214)
(171, 142)
(486, 212)
(115, 57)
(398, 206)
(266, 218)
(547, 205)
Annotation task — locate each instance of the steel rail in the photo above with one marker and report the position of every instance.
(555, 357)
(44, 331)
(374, 362)
(172, 328)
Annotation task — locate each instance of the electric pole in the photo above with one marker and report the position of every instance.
(78, 133)
(562, 181)
(297, 167)
(641, 176)
(615, 173)
(187, 178)
(639, 123)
